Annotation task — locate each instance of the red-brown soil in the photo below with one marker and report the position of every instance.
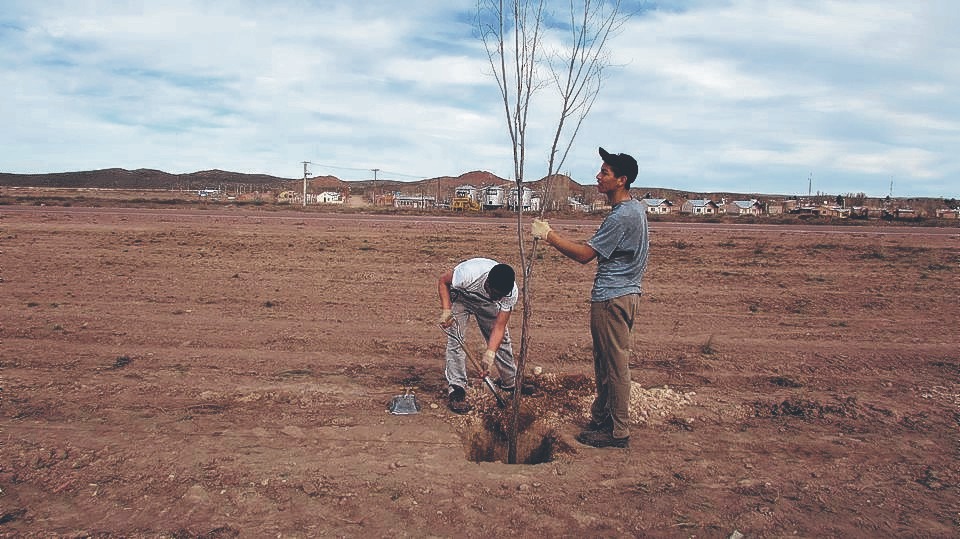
(221, 373)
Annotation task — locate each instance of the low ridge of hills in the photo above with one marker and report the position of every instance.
(118, 178)
(150, 179)
(142, 178)
(442, 186)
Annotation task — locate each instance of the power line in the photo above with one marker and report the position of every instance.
(368, 169)
(412, 176)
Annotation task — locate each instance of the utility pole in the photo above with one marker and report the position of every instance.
(305, 175)
(375, 170)
(810, 184)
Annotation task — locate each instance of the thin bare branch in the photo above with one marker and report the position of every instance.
(512, 32)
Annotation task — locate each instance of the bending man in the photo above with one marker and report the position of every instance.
(486, 290)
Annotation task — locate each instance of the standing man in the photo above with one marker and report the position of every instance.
(621, 245)
(486, 290)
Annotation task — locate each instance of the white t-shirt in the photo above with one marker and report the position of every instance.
(470, 276)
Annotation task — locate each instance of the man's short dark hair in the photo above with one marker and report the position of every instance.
(501, 278)
(622, 165)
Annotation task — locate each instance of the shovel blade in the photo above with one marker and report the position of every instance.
(404, 405)
(496, 394)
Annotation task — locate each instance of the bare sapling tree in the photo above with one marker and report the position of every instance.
(529, 50)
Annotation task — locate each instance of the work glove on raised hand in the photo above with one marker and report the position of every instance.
(487, 362)
(446, 318)
(541, 229)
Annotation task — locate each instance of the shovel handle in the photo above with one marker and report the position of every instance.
(486, 379)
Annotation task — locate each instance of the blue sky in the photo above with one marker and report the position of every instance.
(727, 95)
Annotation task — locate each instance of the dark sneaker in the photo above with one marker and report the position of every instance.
(596, 438)
(527, 389)
(499, 383)
(605, 425)
(457, 400)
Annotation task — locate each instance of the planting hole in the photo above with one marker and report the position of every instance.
(534, 446)
(549, 401)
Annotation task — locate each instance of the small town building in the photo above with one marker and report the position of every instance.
(700, 207)
(528, 201)
(328, 197)
(494, 197)
(466, 191)
(289, 197)
(577, 205)
(743, 207)
(835, 211)
(598, 205)
(658, 205)
(413, 201)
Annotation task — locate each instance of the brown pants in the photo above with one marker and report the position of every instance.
(611, 324)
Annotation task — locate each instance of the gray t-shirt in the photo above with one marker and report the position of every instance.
(622, 244)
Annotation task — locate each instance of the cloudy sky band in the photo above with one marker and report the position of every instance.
(738, 95)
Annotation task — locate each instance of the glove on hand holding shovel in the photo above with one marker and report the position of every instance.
(488, 357)
(487, 362)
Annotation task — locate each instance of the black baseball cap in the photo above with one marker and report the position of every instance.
(622, 164)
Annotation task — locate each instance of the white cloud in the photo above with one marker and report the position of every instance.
(725, 95)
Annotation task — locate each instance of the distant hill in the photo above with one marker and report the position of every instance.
(561, 188)
(443, 186)
(118, 178)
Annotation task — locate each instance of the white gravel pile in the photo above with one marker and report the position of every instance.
(650, 405)
(656, 402)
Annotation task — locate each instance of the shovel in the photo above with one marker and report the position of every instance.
(454, 331)
(405, 404)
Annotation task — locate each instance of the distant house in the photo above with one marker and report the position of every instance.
(835, 211)
(576, 205)
(700, 207)
(806, 209)
(779, 207)
(329, 197)
(904, 213)
(743, 207)
(289, 197)
(467, 191)
(494, 197)
(598, 204)
(948, 213)
(413, 201)
(658, 205)
(529, 201)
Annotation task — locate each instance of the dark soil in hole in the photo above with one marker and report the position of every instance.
(535, 446)
(537, 442)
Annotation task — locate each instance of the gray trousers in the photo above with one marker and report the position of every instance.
(463, 307)
(611, 324)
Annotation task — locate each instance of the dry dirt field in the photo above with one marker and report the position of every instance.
(226, 373)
